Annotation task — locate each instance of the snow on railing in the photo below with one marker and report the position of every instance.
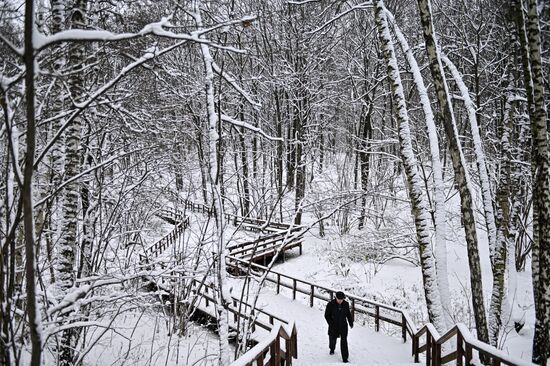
(465, 341)
(269, 351)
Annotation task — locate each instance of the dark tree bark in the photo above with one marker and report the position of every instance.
(33, 313)
(459, 166)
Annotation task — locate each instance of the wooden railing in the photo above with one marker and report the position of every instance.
(460, 338)
(378, 311)
(239, 309)
(173, 216)
(268, 245)
(247, 223)
(166, 241)
(269, 351)
(465, 342)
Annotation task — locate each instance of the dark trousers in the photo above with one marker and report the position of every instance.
(343, 345)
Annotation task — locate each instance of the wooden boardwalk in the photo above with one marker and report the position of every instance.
(280, 345)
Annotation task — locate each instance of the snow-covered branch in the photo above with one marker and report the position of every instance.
(248, 126)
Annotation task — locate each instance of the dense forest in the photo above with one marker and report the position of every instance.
(400, 128)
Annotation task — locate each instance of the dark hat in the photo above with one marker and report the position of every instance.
(340, 295)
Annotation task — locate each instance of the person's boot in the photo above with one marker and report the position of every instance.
(331, 351)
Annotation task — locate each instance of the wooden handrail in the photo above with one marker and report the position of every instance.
(210, 288)
(272, 344)
(156, 249)
(466, 342)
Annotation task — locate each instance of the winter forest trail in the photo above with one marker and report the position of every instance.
(366, 346)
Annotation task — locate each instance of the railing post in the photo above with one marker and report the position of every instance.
(206, 293)
(278, 282)
(404, 327)
(428, 349)
(415, 341)
(288, 352)
(311, 296)
(294, 289)
(353, 309)
(436, 350)
(278, 351)
(468, 354)
(377, 318)
(459, 349)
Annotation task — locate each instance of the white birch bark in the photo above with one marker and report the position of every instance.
(462, 176)
(417, 196)
(541, 191)
(224, 298)
(503, 220)
(438, 188)
(480, 155)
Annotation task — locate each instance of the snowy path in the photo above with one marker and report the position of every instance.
(366, 346)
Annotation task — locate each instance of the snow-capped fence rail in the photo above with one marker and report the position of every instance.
(246, 223)
(156, 249)
(172, 216)
(265, 246)
(465, 342)
(268, 245)
(241, 310)
(269, 351)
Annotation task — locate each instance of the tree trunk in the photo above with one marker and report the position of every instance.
(68, 241)
(416, 194)
(503, 219)
(460, 169)
(216, 195)
(438, 184)
(529, 35)
(33, 313)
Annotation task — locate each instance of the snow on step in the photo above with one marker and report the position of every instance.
(366, 347)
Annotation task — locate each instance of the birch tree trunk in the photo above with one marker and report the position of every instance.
(417, 196)
(530, 39)
(438, 188)
(503, 220)
(459, 165)
(480, 155)
(68, 241)
(223, 296)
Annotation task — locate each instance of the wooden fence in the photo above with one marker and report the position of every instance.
(268, 351)
(465, 342)
(247, 223)
(160, 245)
(268, 245)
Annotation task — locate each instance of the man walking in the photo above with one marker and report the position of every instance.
(338, 316)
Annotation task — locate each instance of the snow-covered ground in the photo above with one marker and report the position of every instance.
(144, 338)
(366, 346)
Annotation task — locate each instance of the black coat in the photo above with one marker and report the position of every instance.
(336, 316)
